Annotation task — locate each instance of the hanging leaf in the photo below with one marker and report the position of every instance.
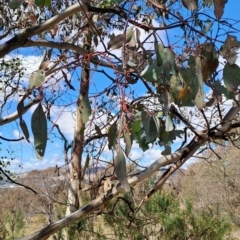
(15, 4)
(169, 123)
(36, 78)
(199, 100)
(145, 121)
(118, 41)
(219, 8)
(85, 108)
(159, 50)
(229, 49)
(128, 141)
(152, 71)
(40, 3)
(231, 77)
(121, 170)
(24, 129)
(166, 151)
(215, 99)
(152, 133)
(207, 60)
(190, 4)
(20, 107)
(39, 129)
(221, 89)
(184, 86)
(86, 165)
(1, 24)
(47, 3)
(98, 130)
(112, 134)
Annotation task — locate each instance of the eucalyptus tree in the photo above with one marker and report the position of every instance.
(182, 53)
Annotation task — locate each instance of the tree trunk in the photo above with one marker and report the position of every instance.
(74, 193)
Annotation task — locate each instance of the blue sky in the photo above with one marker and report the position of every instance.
(22, 153)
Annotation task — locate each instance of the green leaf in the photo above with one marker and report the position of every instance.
(220, 88)
(39, 129)
(128, 141)
(15, 4)
(152, 133)
(118, 41)
(166, 151)
(36, 78)
(47, 3)
(86, 164)
(200, 94)
(169, 57)
(231, 77)
(40, 3)
(112, 134)
(98, 130)
(229, 46)
(152, 71)
(20, 107)
(169, 123)
(24, 129)
(85, 108)
(121, 170)
(145, 121)
(159, 50)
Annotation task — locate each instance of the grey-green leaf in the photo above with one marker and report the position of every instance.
(112, 134)
(24, 129)
(86, 165)
(152, 71)
(39, 129)
(121, 170)
(118, 41)
(98, 130)
(231, 77)
(85, 108)
(169, 123)
(128, 141)
(37, 78)
(15, 4)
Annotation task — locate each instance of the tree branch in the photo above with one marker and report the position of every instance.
(11, 117)
(178, 158)
(19, 184)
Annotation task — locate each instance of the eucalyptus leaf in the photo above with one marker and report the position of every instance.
(118, 41)
(128, 141)
(85, 108)
(231, 77)
(37, 78)
(40, 3)
(86, 165)
(24, 129)
(98, 130)
(151, 72)
(39, 129)
(200, 94)
(112, 134)
(15, 4)
(121, 170)
(169, 123)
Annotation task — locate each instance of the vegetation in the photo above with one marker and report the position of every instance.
(133, 74)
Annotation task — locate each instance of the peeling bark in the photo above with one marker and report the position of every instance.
(74, 192)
